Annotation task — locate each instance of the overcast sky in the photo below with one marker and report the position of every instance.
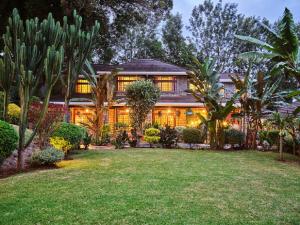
(271, 9)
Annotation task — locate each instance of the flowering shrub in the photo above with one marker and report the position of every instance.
(48, 156)
(69, 132)
(60, 143)
(13, 113)
(52, 119)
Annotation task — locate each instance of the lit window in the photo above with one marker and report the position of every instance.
(124, 81)
(123, 116)
(165, 83)
(165, 117)
(83, 87)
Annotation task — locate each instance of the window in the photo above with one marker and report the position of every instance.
(123, 116)
(83, 87)
(165, 83)
(124, 81)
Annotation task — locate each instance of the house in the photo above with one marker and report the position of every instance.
(175, 107)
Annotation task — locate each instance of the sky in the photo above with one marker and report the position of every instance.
(271, 9)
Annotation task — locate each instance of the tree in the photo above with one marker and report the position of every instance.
(177, 50)
(38, 56)
(213, 28)
(116, 17)
(78, 48)
(207, 87)
(140, 41)
(103, 89)
(7, 77)
(141, 97)
(283, 49)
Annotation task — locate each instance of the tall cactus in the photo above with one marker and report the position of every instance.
(7, 77)
(78, 48)
(37, 53)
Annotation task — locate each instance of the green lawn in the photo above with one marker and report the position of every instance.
(156, 187)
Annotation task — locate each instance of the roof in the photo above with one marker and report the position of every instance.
(142, 65)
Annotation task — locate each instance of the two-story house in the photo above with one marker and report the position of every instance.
(175, 107)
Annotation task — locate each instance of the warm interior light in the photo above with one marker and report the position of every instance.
(86, 110)
(127, 110)
(169, 110)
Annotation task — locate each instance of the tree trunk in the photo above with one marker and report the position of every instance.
(67, 95)
(280, 147)
(24, 102)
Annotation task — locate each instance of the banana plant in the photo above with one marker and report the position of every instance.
(7, 77)
(207, 87)
(78, 49)
(283, 50)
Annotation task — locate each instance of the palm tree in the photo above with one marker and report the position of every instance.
(283, 49)
(207, 88)
(281, 124)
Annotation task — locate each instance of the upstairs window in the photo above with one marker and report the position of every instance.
(83, 87)
(165, 83)
(124, 81)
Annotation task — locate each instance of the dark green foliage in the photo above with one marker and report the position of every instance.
(86, 140)
(168, 137)
(120, 140)
(234, 136)
(141, 97)
(48, 156)
(271, 136)
(8, 140)
(192, 136)
(70, 132)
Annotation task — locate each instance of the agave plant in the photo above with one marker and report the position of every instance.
(283, 50)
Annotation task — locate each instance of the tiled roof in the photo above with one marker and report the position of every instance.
(141, 65)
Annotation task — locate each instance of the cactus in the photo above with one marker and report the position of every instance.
(7, 76)
(36, 50)
(78, 48)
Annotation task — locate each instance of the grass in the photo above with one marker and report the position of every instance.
(156, 187)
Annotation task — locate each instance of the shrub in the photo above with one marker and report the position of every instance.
(13, 113)
(192, 136)
(179, 130)
(48, 156)
(86, 140)
(133, 138)
(271, 136)
(120, 140)
(168, 137)
(53, 118)
(61, 144)
(69, 132)
(234, 136)
(152, 136)
(8, 140)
